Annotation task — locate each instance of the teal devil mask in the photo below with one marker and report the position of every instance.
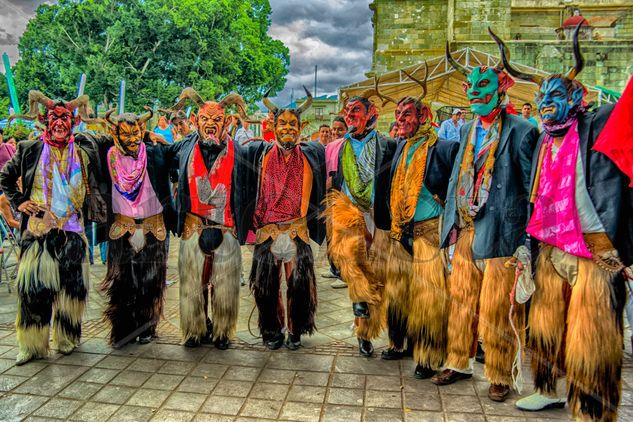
(482, 88)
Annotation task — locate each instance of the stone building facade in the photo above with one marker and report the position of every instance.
(409, 31)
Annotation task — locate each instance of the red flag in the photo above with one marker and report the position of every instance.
(616, 139)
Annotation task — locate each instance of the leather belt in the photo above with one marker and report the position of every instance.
(428, 230)
(195, 224)
(603, 253)
(298, 227)
(124, 224)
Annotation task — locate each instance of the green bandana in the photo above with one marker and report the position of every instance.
(360, 187)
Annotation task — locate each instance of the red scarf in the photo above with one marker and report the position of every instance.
(281, 188)
(218, 179)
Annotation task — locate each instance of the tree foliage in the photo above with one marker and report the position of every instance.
(157, 46)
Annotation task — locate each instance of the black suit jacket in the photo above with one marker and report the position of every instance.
(607, 185)
(24, 164)
(500, 224)
(315, 154)
(181, 151)
(159, 157)
(382, 187)
(439, 164)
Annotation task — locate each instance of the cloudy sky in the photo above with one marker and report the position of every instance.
(335, 35)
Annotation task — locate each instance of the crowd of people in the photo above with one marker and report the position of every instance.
(434, 233)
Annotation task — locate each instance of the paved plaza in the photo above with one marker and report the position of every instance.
(326, 380)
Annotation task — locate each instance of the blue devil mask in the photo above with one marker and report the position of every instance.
(556, 98)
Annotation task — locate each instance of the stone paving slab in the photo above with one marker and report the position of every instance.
(326, 380)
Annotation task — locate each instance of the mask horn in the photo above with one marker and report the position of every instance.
(308, 102)
(81, 104)
(458, 67)
(35, 98)
(235, 99)
(268, 103)
(145, 116)
(108, 117)
(385, 98)
(187, 94)
(421, 83)
(505, 60)
(580, 62)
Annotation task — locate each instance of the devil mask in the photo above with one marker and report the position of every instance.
(560, 97)
(485, 86)
(211, 120)
(58, 121)
(287, 121)
(127, 130)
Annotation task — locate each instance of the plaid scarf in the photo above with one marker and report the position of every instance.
(358, 172)
(281, 187)
(409, 178)
(475, 175)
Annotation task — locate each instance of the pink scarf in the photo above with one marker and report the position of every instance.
(555, 219)
(126, 172)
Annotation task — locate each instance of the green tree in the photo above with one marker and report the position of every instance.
(157, 46)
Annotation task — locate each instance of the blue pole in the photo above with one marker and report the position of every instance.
(122, 97)
(13, 94)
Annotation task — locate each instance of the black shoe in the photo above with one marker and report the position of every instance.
(222, 343)
(275, 342)
(191, 342)
(391, 354)
(480, 356)
(361, 310)
(365, 347)
(293, 342)
(423, 372)
(208, 337)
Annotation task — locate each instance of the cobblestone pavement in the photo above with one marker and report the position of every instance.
(326, 380)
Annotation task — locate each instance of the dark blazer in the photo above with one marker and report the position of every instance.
(181, 151)
(439, 164)
(315, 154)
(500, 224)
(607, 185)
(24, 163)
(158, 162)
(382, 187)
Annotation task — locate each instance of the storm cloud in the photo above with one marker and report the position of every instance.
(335, 35)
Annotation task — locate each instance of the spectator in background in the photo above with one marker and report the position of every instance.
(449, 129)
(164, 129)
(526, 112)
(339, 128)
(13, 142)
(325, 135)
(181, 124)
(6, 150)
(393, 129)
(268, 131)
(243, 133)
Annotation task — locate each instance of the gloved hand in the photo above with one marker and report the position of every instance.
(522, 260)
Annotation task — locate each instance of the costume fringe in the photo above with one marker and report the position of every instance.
(547, 323)
(594, 343)
(265, 279)
(348, 247)
(225, 287)
(494, 324)
(429, 303)
(135, 286)
(302, 292)
(464, 286)
(397, 287)
(190, 263)
(370, 328)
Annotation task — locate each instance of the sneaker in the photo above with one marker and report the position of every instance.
(329, 274)
(338, 284)
(537, 401)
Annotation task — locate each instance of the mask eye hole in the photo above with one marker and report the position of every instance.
(483, 83)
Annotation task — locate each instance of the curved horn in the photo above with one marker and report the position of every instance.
(145, 116)
(235, 99)
(187, 94)
(81, 104)
(505, 60)
(35, 98)
(307, 103)
(108, 119)
(458, 67)
(384, 97)
(268, 103)
(421, 83)
(580, 62)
